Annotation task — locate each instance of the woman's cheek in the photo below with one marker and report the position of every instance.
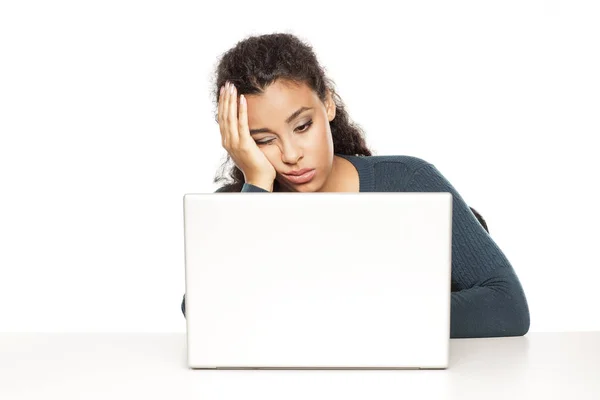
(270, 152)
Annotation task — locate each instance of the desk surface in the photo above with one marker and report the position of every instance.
(153, 366)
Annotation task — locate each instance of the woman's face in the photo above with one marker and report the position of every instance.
(304, 141)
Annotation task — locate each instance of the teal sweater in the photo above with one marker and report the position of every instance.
(487, 299)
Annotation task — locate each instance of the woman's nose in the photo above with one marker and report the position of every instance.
(290, 153)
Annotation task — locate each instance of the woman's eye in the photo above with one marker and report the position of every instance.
(307, 125)
(304, 129)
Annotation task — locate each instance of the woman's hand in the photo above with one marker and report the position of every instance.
(236, 139)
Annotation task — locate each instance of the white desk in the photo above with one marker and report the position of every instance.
(153, 366)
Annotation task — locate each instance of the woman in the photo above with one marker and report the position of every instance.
(288, 131)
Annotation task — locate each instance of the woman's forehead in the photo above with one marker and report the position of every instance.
(277, 102)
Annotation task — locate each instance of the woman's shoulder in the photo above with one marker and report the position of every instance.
(412, 162)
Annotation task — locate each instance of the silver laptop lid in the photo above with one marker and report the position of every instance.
(318, 280)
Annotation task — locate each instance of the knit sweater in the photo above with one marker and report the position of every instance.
(488, 299)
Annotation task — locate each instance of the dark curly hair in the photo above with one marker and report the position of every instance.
(256, 62)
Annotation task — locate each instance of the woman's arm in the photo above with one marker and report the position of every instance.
(490, 300)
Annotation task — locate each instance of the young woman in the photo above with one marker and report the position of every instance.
(286, 129)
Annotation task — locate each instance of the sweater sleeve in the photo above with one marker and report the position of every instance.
(247, 187)
(490, 301)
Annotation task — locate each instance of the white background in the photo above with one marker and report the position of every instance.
(106, 122)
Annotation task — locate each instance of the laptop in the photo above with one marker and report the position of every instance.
(290, 280)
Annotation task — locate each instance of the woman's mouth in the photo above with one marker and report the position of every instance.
(304, 178)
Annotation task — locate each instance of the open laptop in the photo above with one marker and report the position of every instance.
(318, 280)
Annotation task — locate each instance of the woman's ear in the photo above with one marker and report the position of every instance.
(330, 106)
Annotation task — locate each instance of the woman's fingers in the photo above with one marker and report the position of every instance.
(221, 102)
(234, 128)
(221, 116)
(232, 122)
(244, 131)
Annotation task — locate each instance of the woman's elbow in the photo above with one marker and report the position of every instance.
(524, 322)
(520, 319)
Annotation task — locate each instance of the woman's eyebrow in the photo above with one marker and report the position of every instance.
(288, 120)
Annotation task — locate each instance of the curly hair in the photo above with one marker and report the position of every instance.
(256, 62)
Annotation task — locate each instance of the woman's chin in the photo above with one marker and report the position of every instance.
(308, 187)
